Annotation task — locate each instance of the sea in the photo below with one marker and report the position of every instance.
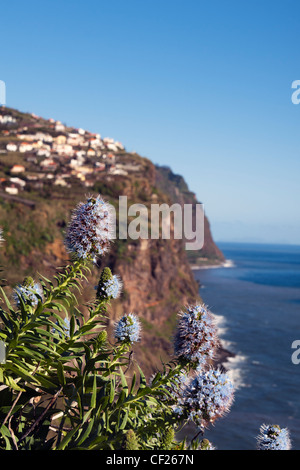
(256, 302)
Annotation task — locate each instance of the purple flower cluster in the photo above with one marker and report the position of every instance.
(30, 292)
(111, 288)
(207, 396)
(90, 230)
(128, 329)
(272, 437)
(196, 337)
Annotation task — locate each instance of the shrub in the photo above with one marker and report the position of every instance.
(66, 385)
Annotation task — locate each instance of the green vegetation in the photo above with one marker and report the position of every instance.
(64, 384)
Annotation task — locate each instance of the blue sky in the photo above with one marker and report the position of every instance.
(203, 87)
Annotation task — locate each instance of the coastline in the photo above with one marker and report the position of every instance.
(228, 263)
(222, 357)
(223, 354)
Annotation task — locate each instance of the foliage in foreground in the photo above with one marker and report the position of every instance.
(64, 384)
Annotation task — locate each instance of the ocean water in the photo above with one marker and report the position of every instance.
(256, 303)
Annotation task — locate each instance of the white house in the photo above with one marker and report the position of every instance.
(64, 149)
(59, 127)
(61, 182)
(75, 139)
(112, 147)
(25, 147)
(116, 171)
(60, 140)
(100, 166)
(16, 180)
(95, 143)
(11, 190)
(88, 184)
(17, 169)
(42, 152)
(91, 153)
(37, 144)
(81, 154)
(119, 145)
(48, 163)
(108, 140)
(11, 147)
(7, 119)
(44, 137)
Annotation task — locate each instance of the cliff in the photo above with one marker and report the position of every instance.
(178, 191)
(156, 274)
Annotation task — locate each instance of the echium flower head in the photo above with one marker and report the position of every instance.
(128, 329)
(109, 286)
(90, 230)
(272, 437)
(30, 292)
(206, 397)
(196, 337)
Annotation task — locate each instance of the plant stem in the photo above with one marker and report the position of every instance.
(51, 403)
(12, 406)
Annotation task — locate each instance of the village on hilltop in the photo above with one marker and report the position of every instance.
(36, 153)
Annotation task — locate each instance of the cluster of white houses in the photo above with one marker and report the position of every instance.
(59, 154)
(69, 144)
(7, 119)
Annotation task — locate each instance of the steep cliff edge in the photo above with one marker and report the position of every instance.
(178, 191)
(40, 183)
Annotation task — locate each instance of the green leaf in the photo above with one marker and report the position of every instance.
(124, 421)
(133, 382)
(143, 382)
(87, 432)
(104, 402)
(44, 381)
(124, 382)
(13, 384)
(20, 371)
(6, 299)
(121, 398)
(72, 326)
(60, 373)
(68, 438)
(94, 394)
(112, 391)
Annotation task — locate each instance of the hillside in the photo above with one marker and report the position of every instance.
(45, 169)
(178, 191)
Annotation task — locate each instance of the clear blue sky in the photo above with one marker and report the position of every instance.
(204, 87)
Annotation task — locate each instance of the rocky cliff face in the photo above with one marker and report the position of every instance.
(157, 278)
(156, 274)
(178, 191)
